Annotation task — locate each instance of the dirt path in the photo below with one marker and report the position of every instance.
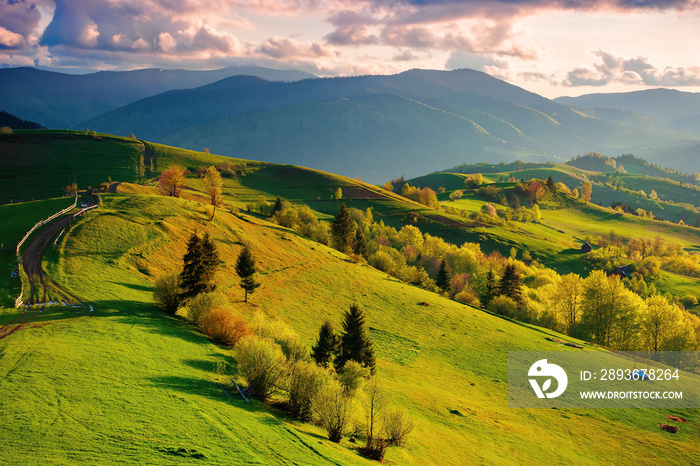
(31, 259)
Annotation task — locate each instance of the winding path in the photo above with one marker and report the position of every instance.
(31, 259)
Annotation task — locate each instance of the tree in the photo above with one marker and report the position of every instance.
(586, 191)
(443, 278)
(212, 186)
(199, 266)
(359, 246)
(511, 284)
(278, 206)
(342, 230)
(326, 345)
(172, 180)
(376, 402)
(246, 269)
(566, 300)
(333, 409)
(658, 318)
(550, 185)
(338, 193)
(491, 287)
(354, 342)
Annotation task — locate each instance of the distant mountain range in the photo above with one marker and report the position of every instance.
(10, 121)
(376, 127)
(59, 100)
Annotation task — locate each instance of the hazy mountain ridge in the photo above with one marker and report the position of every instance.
(61, 100)
(517, 124)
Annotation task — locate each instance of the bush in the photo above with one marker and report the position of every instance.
(333, 410)
(397, 426)
(166, 292)
(203, 303)
(352, 375)
(375, 449)
(282, 334)
(224, 327)
(503, 305)
(468, 296)
(261, 363)
(304, 380)
(689, 300)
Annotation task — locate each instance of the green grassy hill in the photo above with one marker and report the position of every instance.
(116, 380)
(120, 382)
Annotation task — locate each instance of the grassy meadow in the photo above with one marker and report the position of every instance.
(116, 380)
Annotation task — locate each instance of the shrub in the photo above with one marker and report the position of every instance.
(375, 449)
(282, 334)
(261, 363)
(689, 300)
(304, 380)
(333, 410)
(224, 327)
(166, 292)
(468, 296)
(203, 303)
(503, 305)
(352, 375)
(397, 426)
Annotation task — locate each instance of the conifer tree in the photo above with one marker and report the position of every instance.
(246, 269)
(491, 287)
(342, 230)
(354, 343)
(512, 284)
(278, 206)
(443, 277)
(199, 266)
(326, 346)
(359, 247)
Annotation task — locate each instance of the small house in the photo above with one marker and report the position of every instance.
(586, 247)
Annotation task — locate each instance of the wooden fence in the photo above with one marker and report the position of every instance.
(18, 301)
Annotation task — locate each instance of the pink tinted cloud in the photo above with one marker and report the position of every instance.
(616, 69)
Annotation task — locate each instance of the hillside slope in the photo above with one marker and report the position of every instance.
(120, 382)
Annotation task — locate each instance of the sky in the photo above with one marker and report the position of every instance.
(551, 47)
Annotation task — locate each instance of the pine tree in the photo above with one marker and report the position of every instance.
(491, 287)
(246, 269)
(199, 266)
(511, 284)
(326, 346)
(443, 277)
(360, 245)
(550, 185)
(278, 206)
(342, 230)
(354, 343)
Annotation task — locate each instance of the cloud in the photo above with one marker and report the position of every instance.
(9, 39)
(615, 69)
(459, 59)
(285, 48)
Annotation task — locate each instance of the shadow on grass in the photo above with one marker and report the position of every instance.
(148, 288)
(147, 316)
(571, 252)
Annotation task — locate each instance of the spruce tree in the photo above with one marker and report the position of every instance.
(360, 245)
(354, 343)
(511, 284)
(326, 346)
(342, 230)
(246, 269)
(278, 206)
(491, 287)
(199, 266)
(443, 278)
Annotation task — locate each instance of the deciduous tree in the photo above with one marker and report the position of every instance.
(212, 186)
(172, 180)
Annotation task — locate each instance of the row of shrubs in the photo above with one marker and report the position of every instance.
(279, 370)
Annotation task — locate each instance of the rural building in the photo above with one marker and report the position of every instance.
(586, 247)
